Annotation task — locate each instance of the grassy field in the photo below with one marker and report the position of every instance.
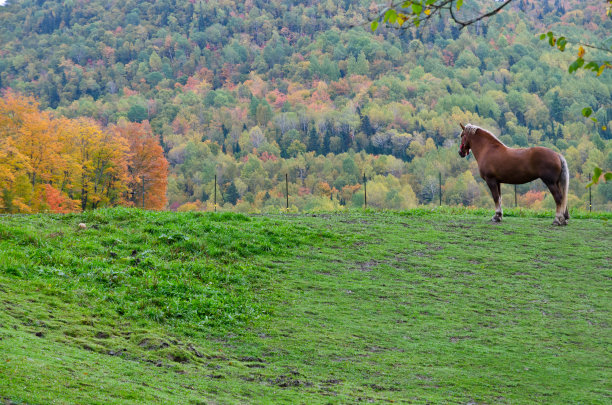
(414, 307)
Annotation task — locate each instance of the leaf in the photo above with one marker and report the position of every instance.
(576, 65)
(587, 111)
(542, 36)
(427, 11)
(601, 69)
(604, 128)
(551, 38)
(592, 66)
(374, 25)
(580, 52)
(561, 43)
(459, 4)
(391, 13)
(608, 176)
(401, 19)
(417, 8)
(597, 174)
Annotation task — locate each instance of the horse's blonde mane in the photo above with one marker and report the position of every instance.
(471, 129)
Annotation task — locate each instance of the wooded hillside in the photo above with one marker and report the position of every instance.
(249, 91)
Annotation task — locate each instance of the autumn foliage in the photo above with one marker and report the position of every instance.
(146, 162)
(63, 165)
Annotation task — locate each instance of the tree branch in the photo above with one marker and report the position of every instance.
(436, 8)
(599, 48)
(480, 17)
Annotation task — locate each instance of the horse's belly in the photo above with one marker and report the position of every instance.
(518, 178)
(510, 172)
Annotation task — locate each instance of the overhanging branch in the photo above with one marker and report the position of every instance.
(480, 17)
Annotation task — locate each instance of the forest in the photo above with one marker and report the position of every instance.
(146, 103)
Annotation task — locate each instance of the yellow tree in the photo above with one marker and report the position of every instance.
(37, 142)
(13, 163)
(96, 164)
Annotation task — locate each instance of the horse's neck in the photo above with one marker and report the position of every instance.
(482, 142)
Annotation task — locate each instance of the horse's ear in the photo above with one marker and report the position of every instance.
(462, 127)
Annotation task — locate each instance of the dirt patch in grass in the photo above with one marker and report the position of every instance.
(368, 266)
(290, 380)
(102, 335)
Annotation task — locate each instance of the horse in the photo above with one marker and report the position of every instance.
(498, 164)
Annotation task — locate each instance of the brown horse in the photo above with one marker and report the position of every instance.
(499, 164)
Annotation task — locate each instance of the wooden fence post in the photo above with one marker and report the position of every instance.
(440, 187)
(365, 191)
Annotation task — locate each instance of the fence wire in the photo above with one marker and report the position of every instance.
(513, 196)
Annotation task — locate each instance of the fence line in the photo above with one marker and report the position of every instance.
(589, 205)
(586, 205)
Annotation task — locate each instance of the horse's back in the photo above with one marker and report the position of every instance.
(522, 165)
(545, 158)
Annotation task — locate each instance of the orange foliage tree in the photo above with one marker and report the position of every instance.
(146, 161)
(63, 165)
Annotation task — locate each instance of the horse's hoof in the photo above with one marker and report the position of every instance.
(556, 222)
(496, 219)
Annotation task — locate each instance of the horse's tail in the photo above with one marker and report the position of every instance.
(564, 184)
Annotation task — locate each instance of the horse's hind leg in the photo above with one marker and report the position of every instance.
(561, 215)
(566, 212)
(495, 188)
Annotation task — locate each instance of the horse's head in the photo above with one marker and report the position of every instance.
(464, 149)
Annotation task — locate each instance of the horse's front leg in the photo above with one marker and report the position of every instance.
(495, 188)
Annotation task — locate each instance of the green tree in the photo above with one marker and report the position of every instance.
(556, 108)
(137, 113)
(296, 148)
(155, 62)
(231, 194)
(264, 113)
(467, 59)
(362, 66)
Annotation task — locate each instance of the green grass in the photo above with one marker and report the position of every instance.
(428, 305)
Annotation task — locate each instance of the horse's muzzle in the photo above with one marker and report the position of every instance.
(462, 153)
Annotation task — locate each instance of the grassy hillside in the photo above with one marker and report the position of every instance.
(417, 306)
